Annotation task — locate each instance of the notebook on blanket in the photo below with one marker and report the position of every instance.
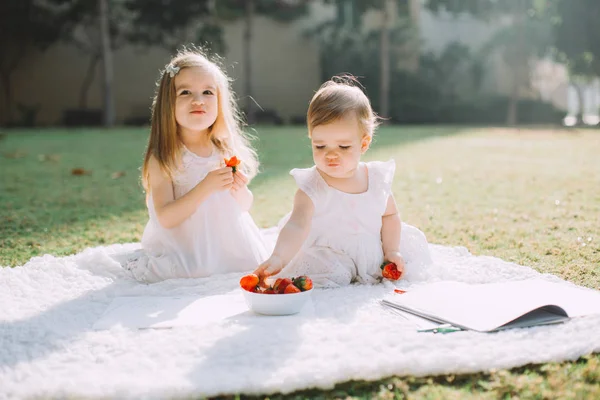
(495, 306)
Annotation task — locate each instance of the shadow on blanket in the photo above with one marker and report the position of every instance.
(54, 328)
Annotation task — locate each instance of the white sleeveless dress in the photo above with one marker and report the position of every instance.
(217, 238)
(344, 244)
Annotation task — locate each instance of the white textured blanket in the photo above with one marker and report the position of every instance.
(48, 347)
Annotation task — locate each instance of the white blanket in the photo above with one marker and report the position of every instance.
(49, 306)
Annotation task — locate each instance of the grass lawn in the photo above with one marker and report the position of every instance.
(531, 196)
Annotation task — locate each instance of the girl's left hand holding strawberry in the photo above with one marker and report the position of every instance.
(396, 258)
(240, 192)
(240, 180)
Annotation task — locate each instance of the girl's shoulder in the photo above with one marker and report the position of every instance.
(309, 181)
(304, 173)
(382, 166)
(382, 172)
(155, 170)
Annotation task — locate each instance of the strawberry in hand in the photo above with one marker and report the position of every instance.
(250, 282)
(233, 162)
(390, 271)
(393, 266)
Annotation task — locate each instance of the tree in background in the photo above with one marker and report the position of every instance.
(107, 64)
(27, 26)
(374, 55)
(280, 10)
(100, 27)
(527, 35)
(577, 38)
(97, 28)
(171, 23)
(387, 22)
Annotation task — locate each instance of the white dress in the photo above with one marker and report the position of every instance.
(344, 244)
(217, 238)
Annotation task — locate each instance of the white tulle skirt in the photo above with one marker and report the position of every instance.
(218, 238)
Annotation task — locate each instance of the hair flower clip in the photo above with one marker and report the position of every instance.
(172, 70)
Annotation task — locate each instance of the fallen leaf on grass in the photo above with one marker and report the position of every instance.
(117, 175)
(49, 157)
(80, 171)
(15, 154)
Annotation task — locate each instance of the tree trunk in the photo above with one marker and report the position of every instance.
(8, 119)
(414, 11)
(384, 90)
(9, 65)
(250, 9)
(88, 79)
(517, 57)
(513, 103)
(580, 101)
(109, 113)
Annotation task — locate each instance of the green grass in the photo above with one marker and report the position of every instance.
(531, 196)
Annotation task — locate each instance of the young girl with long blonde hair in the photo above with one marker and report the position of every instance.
(199, 223)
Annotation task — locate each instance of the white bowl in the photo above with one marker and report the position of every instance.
(276, 304)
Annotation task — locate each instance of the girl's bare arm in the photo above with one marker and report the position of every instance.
(171, 212)
(391, 229)
(291, 237)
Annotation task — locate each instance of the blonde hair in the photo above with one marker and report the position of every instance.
(338, 97)
(226, 133)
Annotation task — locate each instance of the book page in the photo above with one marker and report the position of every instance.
(485, 307)
(540, 316)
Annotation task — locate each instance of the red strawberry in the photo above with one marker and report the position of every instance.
(233, 162)
(291, 289)
(303, 283)
(249, 282)
(280, 284)
(390, 271)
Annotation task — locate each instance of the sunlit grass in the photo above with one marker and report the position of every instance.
(528, 196)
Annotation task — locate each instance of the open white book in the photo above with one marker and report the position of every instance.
(494, 306)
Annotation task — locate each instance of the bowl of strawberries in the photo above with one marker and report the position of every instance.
(284, 296)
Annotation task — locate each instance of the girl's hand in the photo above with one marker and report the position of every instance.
(240, 180)
(397, 259)
(270, 267)
(219, 179)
